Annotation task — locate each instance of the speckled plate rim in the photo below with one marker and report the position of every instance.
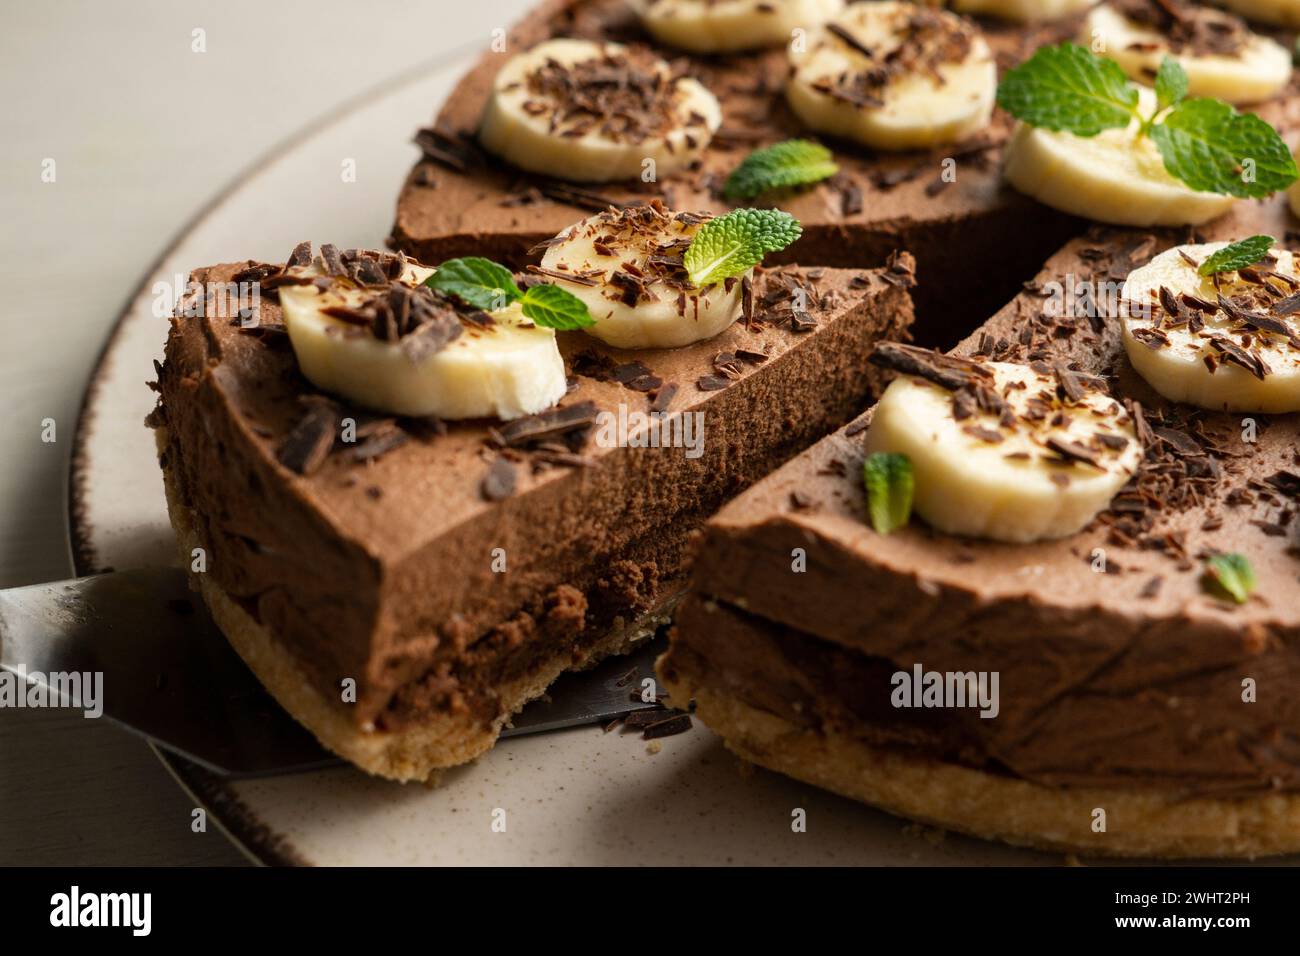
(236, 820)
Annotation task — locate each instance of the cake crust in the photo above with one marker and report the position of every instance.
(985, 805)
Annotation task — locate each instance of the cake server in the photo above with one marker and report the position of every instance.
(140, 648)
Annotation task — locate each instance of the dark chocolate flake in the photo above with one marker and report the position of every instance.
(947, 371)
(382, 441)
(677, 724)
(548, 424)
(499, 482)
(1072, 451)
(664, 397)
(306, 447)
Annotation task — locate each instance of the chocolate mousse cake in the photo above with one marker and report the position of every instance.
(1129, 696)
(402, 583)
(947, 204)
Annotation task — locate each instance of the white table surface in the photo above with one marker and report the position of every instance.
(143, 131)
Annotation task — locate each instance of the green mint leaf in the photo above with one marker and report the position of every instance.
(1237, 255)
(1171, 83)
(888, 477)
(1068, 88)
(554, 308)
(479, 282)
(794, 162)
(729, 245)
(1212, 148)
(1230, 574)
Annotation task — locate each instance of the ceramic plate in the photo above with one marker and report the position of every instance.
(581, 796)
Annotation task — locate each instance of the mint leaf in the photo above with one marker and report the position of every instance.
(888, 478)
(1068, 88)
(479, 282)
(794, 162)
(731, 244)
(1230, 574)
(554, 308)
(1171, 83)
(1212, 148)
(1237, 255)
(487, 285)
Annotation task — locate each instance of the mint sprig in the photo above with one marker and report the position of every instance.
(476, 281)
(890, 485)
(1230, 574)
(1236, 255)
(729, 245)
(794, 162)
(1204, 143)
(554, 308)
(490, 286)
(1067, 88)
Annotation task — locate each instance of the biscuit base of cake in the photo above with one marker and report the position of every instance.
(986, 805)
(416, 752)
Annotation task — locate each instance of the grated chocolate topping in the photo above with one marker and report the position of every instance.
(627, 95)
(1189, 27)
(926, 40)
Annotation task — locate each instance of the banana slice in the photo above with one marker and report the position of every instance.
(1116, 176)
(1221, 56)
(446, 364)
(1022, 11)
(722, 26)
(1036, 466)
(1281, 12)
(1227, 342)
(596, 112)
(626, 265)
(894, 75)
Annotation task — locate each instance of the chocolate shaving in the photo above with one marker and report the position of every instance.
(332, 260)
(306, 447)
(678, 723)
(947, 371)
(664, 397)
(850, 40)
(1286, 483)
(300, 256)
(548, 424)
(454, 152)
(430, 337)
(1235, 354)
(1072, 451)
(380, 443)
(499, 481)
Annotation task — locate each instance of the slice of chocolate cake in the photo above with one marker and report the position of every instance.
(1121, 690)
(403, 584)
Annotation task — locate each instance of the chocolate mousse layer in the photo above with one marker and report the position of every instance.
(974, 238)
(1118, 666)
(433, 562)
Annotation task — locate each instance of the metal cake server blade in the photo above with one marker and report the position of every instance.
(168, 674)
